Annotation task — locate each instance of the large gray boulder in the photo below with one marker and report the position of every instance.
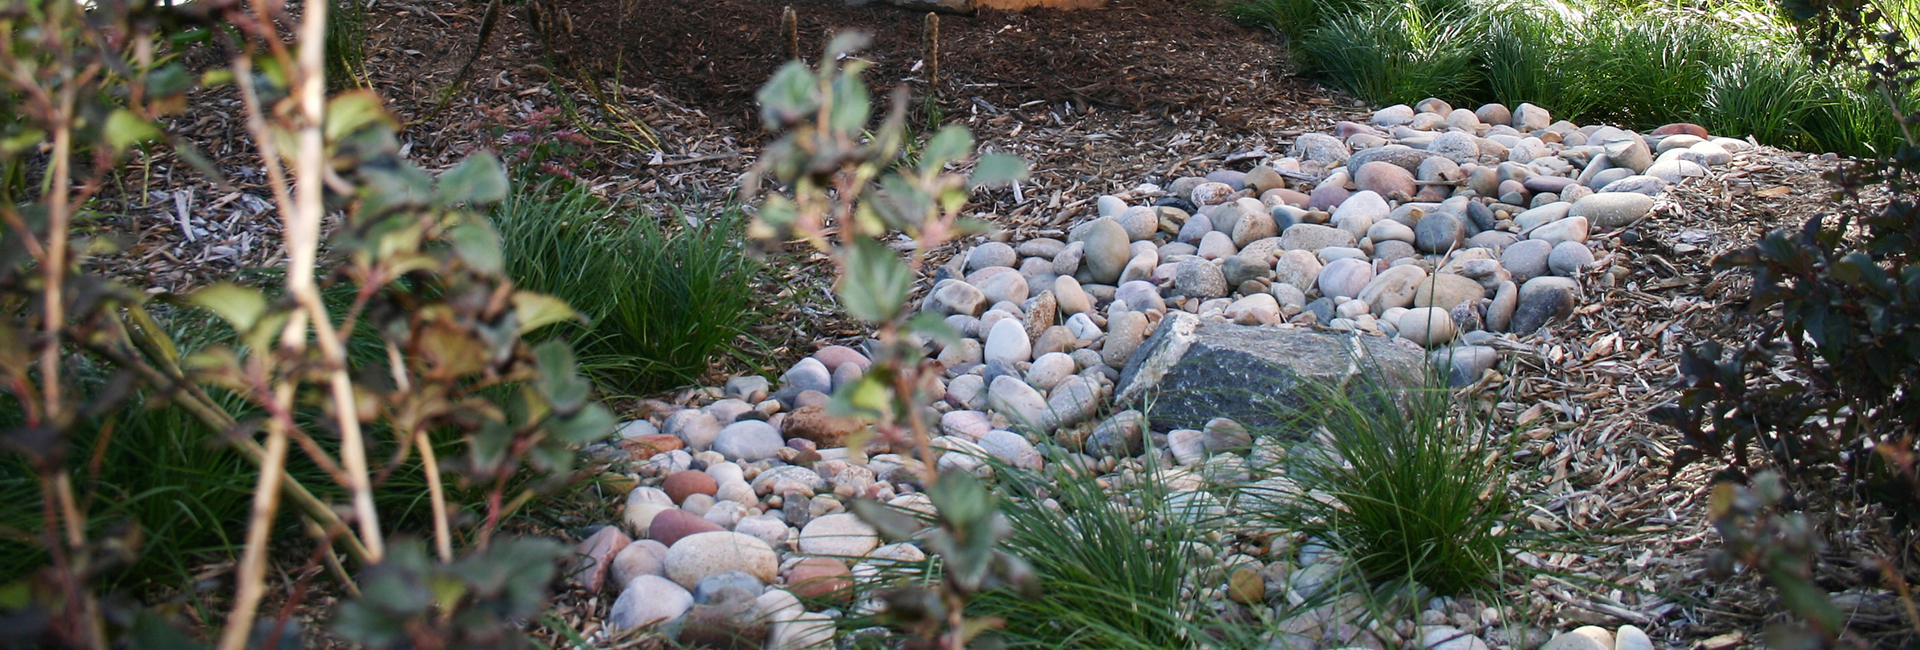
(1191, 371)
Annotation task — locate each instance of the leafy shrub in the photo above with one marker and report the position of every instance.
(1823, 383)
(1415, 486)
(662, 304)
(1398, 52)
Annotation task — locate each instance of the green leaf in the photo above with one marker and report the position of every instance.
(479, 246)
(537, 310)
(789, 96)
(997, 169)
(933, 326)
(892, 523)
(382, 189)
(353, 110)
(865, 399)
(478, 180)
(560, 379)
(1805, 598)
(124, 129)
(876, 282)
(240, 306)
(27, 139)
(851, 104)
(951, 143)
(589, 425)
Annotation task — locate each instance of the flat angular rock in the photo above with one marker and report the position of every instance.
(1192, 372)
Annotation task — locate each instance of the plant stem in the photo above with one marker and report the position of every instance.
(253, 563)
(442, 533)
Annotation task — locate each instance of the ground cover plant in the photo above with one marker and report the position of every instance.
(1733, 67)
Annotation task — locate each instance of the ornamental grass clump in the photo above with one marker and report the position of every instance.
(662, 303)
(1407, 484)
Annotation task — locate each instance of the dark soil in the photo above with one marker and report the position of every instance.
(1144, 56)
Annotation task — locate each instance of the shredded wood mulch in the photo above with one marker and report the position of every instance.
(1099, 102)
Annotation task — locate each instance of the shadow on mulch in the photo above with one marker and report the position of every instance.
(1148, 56)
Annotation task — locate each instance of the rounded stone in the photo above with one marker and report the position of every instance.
(1007, 342)
(686, 483)
(648, 600)
(1439, 232)
(815, 424)
(843, 535)
(1569, 258)
(1445, 290)
(1608, 210)
(991, 254)
(642, 558)
(1010, 448)
(1426, 326)
(1344, 278)
(819, 577)
(1198, 278)
(748, 440)
(697, 556)
(674, 525)
(1107, 250)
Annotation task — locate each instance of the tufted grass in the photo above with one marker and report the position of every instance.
(662, 301)
(1409, 485)
(1734, 66)
(1395, 53)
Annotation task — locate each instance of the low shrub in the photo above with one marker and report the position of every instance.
(662, 302)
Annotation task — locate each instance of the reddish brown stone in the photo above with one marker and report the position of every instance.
(671, 525)
(592, 556)
(688, 483)
(819, 577)
(834, 355)
(827, 431)
(644, 447)
(1678, 128)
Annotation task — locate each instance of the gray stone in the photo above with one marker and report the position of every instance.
(703, 592)
(1021, 404)
(1192, 372)
(1465, 363)
(808, 374)
(1526, 259)
(1647, 185)
(648, 600)
(1608, 210)
(991, 254)
(1500, 311)
(1536, 310)
(1405, 157)
(1439, 232)
(1319, 148)
(1198, 278)
(1119, 436)
(1569, 258)
(748, 440)
(1313, 237)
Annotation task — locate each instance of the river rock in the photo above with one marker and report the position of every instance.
(843, 535)
(1607, 210)
(648, 600)
(748, 440)
(1107, 252)
(1198, 278)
